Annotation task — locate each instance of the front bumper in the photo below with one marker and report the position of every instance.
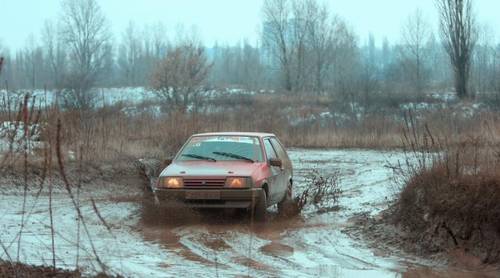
(209, 198)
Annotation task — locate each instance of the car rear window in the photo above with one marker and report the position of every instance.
(214, 146)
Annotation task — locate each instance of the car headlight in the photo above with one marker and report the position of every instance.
(238, 182)
(171, 182)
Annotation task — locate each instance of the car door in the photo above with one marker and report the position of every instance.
(275, 180)
(286, 169)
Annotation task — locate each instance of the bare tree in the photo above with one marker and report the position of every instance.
(238, 65)
(130, 56)
(178, 79)
(33, 63)
(85, 31)
(251, 67)
(2, 59)
(346, 70)
(483, 75)
(496, 66)
(415, 36)
(1, 64)
(159, 40)
(302, 13)
(324, 37)
(276, 36)
(458, 32)
(55, 55)
(439, 70)
(154, 44)
(369, 78)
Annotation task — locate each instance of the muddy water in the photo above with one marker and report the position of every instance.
(221, 244)
(312, 245)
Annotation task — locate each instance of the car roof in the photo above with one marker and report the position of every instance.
(255, 134)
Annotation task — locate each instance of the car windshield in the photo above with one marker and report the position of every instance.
(222, 148)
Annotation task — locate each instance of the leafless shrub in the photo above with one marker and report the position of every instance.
(321, 191)
(178, 79)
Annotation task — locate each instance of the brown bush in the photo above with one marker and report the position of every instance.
(472, 198)
(450, 195)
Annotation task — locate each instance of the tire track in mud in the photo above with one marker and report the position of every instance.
(308, 246)
(209, 246)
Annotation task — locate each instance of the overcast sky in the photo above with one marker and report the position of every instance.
(225, 21)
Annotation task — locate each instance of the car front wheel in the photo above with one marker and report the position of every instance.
(260, 209)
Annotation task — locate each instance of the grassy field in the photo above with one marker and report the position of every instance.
(110, 132)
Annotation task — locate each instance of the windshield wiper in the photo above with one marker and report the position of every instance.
(233, 155)
(199, 157)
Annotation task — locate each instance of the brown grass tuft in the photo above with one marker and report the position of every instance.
(451, 195)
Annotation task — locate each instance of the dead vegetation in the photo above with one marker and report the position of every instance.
(22, 270)
(113, 133)
(38, 170)
(321, 191)
(450, 196)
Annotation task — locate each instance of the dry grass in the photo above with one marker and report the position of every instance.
(109, 134)
(42, 164)
(22, 270)
(322, 192)
(471, 198)
(451, 193)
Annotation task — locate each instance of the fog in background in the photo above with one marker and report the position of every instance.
(352, 51)
(225, 21)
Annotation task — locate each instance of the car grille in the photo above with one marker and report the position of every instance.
(205, 182)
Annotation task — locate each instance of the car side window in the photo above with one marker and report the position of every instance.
(279, 149)
(270, 153)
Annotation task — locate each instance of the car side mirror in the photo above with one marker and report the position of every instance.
(275, 162)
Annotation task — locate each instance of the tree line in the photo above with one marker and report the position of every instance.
(304, 48)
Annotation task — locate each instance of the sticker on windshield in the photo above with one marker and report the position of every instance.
(196, 139)
(239, 139)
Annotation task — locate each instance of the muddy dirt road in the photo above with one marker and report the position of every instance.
(215, 244)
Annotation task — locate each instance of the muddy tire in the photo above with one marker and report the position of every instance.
(285, 204)
(260, 209)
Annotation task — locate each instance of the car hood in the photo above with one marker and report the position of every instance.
(211, 169)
